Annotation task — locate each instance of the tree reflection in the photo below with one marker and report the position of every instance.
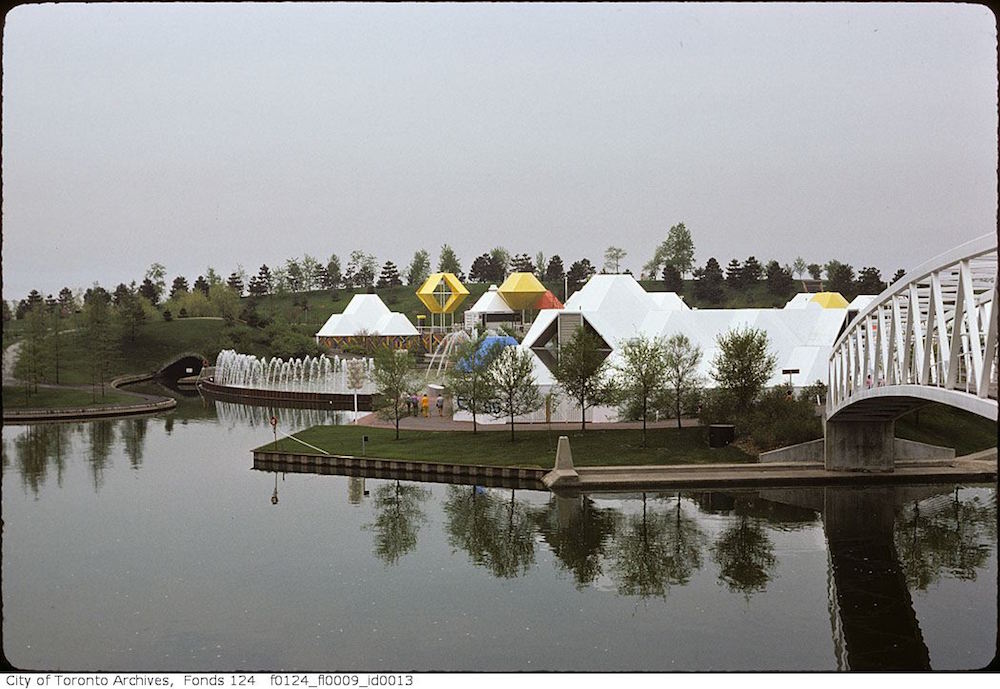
(577, 531)
(496, 533)
(101, 435)
(745, 556)
(35, 449)
(945, 536)
(656, 549)
(134, 438)
(398, 520)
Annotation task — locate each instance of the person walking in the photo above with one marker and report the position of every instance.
(439, 403)
(409, 404)
(416, 404)
(425, 405)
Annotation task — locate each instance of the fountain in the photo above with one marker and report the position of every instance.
(315, 374)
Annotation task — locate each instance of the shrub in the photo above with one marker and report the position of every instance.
(779, 419)
(167, 316)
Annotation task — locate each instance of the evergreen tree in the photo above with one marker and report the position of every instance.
(389, 276)
(734, 274)
(149, 290)
(555, 271)
(334, 276)
(120, 293)
(480, 270)
(522, 264)
(294, 275)
(500, 263)
(672, 280)
(202, 285)
(180, 286)
(779, 280)
(815, 270)
(751, 272)
(840, 278)
(235, 283)
(897, 275)
(869, 281)
(67, 303)
(579, 273)
(265, 280)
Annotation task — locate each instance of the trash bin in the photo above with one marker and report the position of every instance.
(721, 434)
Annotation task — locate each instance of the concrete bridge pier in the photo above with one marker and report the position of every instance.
(860, 445)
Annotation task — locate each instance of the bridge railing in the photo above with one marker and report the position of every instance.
(936, 326)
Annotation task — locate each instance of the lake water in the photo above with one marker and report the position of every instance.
(152, 544)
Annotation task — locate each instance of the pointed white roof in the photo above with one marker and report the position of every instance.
(491, 302)
(366, 313)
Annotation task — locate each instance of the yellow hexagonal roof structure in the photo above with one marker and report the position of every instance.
(521, 290)
(442, 293)
(830, 300)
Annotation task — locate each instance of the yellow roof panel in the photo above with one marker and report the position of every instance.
(521, 290)
(442, 298)
(830, 300)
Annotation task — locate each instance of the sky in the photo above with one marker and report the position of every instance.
(240, 134)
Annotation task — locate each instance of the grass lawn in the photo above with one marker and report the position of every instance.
(48, 398)
(530, 448)
(940, 424)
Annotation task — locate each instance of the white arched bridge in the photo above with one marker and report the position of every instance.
(930, 337)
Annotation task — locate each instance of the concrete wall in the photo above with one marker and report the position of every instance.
(814, 451)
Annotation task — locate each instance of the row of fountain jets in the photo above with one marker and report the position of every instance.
(312, 374)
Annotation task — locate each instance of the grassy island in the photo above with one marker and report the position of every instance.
(535, 448)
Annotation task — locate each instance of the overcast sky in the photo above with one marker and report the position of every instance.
(197, 135)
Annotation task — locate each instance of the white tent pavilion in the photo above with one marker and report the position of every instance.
(366, 314)
(490, 308)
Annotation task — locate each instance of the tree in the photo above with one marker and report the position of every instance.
(500, 262)
(581, 371)
(734, 274)
(120, 293)
(389, 276)
(179, 286)
(752, 272)
(157, 274)
(514, 384)
(394, 375)
(130, 313)
(897, 275)
(448, 262)
(869, 281)
(419, 270)
(540, 264)
(202, 285)
(398, 519)
(612, 259)
(708, 282)
(295, 275)
(555, 272)
(745, 556)
(150, 291)
(578, 274)
(7, 315)
(681, 358)
(67, 302)
(840, 277)
(310, 267)
(480, 269)
(334, 277)
(235, 284)
(799, 267)
(677, 250)
(470, 379)
(672, 279)
(743, 364)
(779, 280)
(96, 339)
(212, 277)
(815, 270)
(522, 264)
(361, 268)
(639, 375)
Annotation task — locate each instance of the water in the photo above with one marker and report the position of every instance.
(151, 544)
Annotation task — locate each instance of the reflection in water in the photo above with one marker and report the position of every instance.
(948, 534)
(101, 435)
(654, 550)
(35, 449)
(398, 519)
(496, 533)
(745, 556)
(232, 415)
(134, 437)
(577, 532)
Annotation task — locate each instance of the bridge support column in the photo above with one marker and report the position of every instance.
(862, 445)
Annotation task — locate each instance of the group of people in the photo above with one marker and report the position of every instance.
(422, 405)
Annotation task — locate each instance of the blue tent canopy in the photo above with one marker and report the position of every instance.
(487, 345)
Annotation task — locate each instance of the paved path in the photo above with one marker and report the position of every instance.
(444, 423)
